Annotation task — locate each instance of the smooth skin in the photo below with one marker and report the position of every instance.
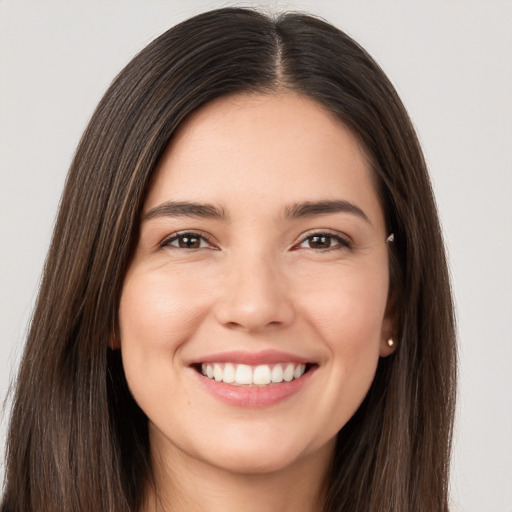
(252, 272)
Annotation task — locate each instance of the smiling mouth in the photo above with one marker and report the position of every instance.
(248, 375)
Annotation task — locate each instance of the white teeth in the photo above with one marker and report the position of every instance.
(288, 372)
(299, 370)
(277, 373)
(229, 373)
(218, 374)
(243, 374)
(261, 375)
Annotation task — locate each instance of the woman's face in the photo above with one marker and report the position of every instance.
(262, 263)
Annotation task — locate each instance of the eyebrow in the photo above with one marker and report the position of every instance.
(185, 209)
(311, 209)
(294, 211)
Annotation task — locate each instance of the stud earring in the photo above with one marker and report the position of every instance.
(390, 238)
(391, 343)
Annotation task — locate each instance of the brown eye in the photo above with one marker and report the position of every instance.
(189, 242)
(186, 241)
(320, 242)
(323, 241)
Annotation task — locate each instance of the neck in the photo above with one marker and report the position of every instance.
(197, 486)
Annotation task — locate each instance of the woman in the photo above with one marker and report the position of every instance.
(246, 303)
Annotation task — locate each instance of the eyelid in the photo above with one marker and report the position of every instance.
(345, 240)
(196, 233)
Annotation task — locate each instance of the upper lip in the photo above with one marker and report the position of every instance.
(252, 358)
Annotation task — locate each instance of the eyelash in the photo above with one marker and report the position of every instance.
(341, 241)
(190, 234)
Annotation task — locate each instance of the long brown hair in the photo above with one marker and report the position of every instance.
(77, 440)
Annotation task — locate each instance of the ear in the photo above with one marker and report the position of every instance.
(389, 331)
(113, 341)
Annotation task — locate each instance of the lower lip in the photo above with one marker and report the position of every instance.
(254, 396)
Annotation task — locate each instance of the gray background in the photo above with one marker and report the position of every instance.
(451, 62)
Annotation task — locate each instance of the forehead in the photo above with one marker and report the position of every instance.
(262, 149)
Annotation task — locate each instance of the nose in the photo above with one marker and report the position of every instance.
(255, 296)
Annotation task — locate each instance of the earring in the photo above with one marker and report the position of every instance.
(391, 343)
(390, 238)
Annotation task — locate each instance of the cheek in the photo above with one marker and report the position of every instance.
(157, 313)
(345, 313)
(350, 327)
(348, 308)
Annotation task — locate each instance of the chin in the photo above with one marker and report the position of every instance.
(251, 462)
(258, 455)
